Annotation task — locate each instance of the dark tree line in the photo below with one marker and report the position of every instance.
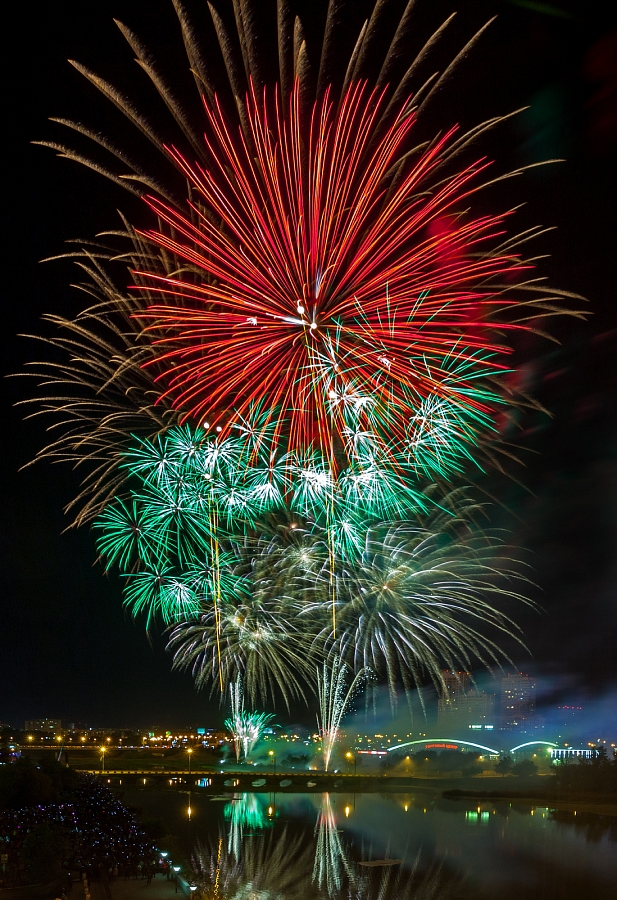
(597, 775)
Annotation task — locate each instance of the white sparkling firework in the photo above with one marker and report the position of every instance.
(246, 727)
(334, 699)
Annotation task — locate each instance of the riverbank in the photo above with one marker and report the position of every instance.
(581, 801)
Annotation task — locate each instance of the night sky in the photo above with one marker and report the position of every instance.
(67, 648)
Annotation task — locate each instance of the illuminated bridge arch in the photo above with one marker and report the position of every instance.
(448, 744)
(533, 744)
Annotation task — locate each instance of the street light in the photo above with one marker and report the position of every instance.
(103, 758)
(351, 756)
(189, 751)
(271, 753)
(176, 870)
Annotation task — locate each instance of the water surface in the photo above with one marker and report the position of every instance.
(317, 845)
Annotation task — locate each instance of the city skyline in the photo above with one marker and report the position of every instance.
(465, 708)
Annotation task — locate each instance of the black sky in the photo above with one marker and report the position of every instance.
(66, 647)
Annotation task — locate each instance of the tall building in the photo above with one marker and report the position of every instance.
(518, 701)
(50, 725)
(462, 708)
(455, 684)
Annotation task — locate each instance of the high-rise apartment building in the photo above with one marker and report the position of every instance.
(518, 701)
(462, 708)
(49, 725)
(455, 684)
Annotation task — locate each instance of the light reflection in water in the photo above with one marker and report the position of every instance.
(470, 849)
(267, 868)
(254, 863)
(244, 811)
(330, 858)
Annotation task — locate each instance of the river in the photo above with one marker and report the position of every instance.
(421, 846)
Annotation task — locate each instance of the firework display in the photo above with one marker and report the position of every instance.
(345, 319)
(334, 697)
(246, 728)
(276, 417)
(251, 595)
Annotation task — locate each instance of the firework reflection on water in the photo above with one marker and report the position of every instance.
(256, 861)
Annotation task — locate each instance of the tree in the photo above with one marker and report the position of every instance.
(44, 851)
(525, 767)
(471, 770)
(297, 759)
(154, 828)
(504, 766)
(23, 784)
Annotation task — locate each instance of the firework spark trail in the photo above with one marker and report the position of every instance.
(261, 636)
(252, 727)
(237, 706)
(334, 697)
(420, 595)
(343, 291)
(408, 595)
(246, 727)
(317, 242)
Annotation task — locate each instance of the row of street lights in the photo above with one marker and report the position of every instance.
(103, 749)
(349, 756)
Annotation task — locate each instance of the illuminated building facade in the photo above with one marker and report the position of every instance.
(463, 708)
(45, 725)
(568, 753)
(518, 701)
(456, 684)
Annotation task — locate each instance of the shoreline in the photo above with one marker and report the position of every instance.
(581, 801)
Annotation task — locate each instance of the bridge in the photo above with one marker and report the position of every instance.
(258, 781)
(302, 780)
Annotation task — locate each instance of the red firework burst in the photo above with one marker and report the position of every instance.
(332, 270)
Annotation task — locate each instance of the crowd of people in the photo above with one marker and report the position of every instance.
(100, 837)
